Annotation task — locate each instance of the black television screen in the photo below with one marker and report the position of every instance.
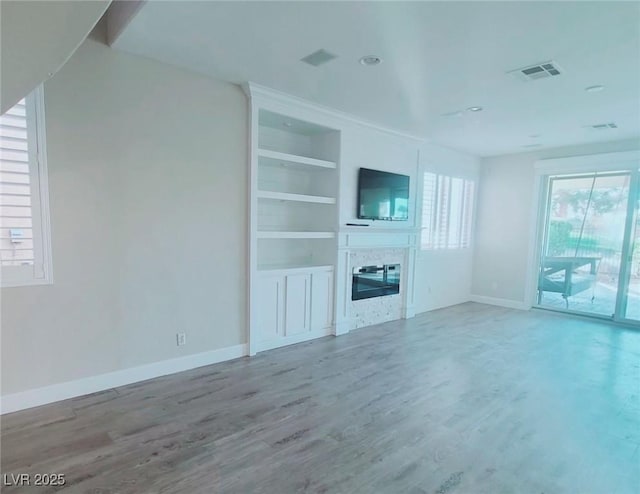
(382, 195)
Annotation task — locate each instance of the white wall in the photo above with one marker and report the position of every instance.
(148, 187)
(368, 147)
(443, 277)
(506, 209)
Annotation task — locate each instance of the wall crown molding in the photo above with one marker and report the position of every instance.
(262, 93)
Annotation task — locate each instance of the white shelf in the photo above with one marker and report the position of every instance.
(293, 268)
(295, 234)
(285, 196)
(276, 158)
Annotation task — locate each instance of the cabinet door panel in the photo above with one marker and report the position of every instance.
(269, 307)
(321, 300)
(297, 304)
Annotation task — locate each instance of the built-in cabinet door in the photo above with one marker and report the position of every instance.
(297, 304)
(269, 306)
(321, 300)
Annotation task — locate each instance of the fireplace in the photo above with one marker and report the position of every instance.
(375, 281)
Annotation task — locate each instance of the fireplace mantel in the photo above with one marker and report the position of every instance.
(367, 245)
(372, 238)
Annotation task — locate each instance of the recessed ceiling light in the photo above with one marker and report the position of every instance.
(474, 108)
(287, 124)
(370, 60)
(594, 89)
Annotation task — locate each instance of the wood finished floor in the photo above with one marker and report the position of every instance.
(470, 399)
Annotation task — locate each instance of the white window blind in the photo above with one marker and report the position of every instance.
(447, 212)
(24, 253)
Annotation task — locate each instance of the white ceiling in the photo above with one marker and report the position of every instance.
(37, 38)
(439, 57)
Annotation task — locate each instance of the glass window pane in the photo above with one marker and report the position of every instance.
(16, 241)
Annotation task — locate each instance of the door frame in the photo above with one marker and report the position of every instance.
(627, 248)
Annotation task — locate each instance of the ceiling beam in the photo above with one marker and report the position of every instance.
(119, 15)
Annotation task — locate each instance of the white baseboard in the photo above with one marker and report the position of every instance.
(57, 392)
(501, 302)
(343, 327)
(408, 312)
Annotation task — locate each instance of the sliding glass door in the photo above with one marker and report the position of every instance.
(589, 261)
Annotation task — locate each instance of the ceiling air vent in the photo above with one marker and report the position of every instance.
(538, 71)
(318, 57)
(604, 126)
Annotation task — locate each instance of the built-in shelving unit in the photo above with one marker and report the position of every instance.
(294, 224)
(302, 249)
(296, 164)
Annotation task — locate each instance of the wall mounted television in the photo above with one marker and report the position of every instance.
(382, 195)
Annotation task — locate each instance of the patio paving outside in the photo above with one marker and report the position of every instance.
(603, 303)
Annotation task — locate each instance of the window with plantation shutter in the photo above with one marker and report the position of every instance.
(447, 212)
(24, 234)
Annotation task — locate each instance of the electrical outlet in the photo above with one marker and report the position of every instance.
(181, 339)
